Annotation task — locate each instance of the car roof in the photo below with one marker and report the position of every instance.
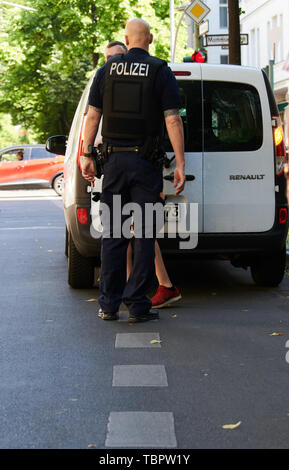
(24, 146)
(218, 72)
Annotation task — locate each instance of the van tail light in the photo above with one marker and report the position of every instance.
(82, 216)
(283, 214)
(279, 146)
(81, 139)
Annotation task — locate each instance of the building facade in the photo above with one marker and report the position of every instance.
(267, 24)
(218, 24)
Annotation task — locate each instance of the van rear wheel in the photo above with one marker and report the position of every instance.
(80, 269)
(268, 270)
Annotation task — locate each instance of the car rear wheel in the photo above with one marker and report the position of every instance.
(268, 270)
(58, 184)
(80, 269)
(66, 242)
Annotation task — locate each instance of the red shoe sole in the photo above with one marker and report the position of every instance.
(168, 302)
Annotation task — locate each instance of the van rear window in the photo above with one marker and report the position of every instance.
(191, 114)
(232, 117)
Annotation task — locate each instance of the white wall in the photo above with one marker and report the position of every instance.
(259, 18)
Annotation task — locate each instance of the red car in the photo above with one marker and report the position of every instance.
(31, 165)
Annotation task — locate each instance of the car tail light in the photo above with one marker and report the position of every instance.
(81, 139)
(279, 145)
(82, 216)
(283, 214)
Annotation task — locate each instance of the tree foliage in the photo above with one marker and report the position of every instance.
(49, 52)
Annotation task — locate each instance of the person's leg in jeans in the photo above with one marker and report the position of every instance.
(145, 187)
(113, 249)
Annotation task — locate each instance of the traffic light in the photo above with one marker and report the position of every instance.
(199, 56)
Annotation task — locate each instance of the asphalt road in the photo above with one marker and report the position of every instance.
(64, 383)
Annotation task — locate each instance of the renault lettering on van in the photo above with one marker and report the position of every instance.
(247, 177)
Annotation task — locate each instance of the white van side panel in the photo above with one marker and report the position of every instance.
(193, 192)
(239, 187)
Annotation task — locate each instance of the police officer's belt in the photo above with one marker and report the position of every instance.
(111, 149)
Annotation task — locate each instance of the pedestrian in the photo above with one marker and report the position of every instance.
(166, 292)
(133, 92)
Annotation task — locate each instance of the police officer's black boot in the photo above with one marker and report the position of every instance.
(152, 314)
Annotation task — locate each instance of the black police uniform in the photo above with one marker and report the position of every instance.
(130, 115)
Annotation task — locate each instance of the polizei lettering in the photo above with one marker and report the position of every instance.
(134, 69)
(247, 177)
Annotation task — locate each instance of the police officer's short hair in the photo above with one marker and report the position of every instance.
(116, 43)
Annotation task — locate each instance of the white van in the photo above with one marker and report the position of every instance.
(235, 158)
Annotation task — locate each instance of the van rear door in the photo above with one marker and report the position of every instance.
(189, 82)
(238, 171)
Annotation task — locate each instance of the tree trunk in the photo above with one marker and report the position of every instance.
(234, 32)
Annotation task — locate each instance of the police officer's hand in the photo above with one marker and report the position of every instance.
(179, 180)
(87, 168)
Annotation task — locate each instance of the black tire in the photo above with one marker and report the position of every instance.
(66, 242)
(58, 184)
(268, 270)
(80, 269)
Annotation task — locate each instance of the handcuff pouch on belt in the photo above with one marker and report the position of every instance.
(153, 151)
(99, 157)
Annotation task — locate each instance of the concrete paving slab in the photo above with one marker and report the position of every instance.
(141, 429)
(137, 340)
(140, 375)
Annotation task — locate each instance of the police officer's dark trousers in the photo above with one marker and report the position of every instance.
(135, 180)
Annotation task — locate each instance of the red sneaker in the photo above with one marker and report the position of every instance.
(165, 296)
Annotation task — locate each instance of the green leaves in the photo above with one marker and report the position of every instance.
(48, 54)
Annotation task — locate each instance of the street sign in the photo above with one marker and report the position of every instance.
(197, 10)
(204, 28)
(223, 40)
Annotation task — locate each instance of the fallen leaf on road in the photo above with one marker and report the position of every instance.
(244, 310)
(49, 251)
(91, 300)
(174, 315)
(206, 375)
(214, 293)
(231, 426)
(153, 341)
(92, 446)
(276, 334)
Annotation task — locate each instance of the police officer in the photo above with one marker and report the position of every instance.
(133, 92)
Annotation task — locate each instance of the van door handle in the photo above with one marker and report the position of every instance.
(171, 177)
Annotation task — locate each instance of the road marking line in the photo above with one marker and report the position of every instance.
(137, 340)
(141, 429)
(140, 375)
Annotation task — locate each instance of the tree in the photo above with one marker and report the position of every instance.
(50, 52)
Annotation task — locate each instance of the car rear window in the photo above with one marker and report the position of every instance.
(231, 113)
(40, 152)
(232, 117)
(191, 114)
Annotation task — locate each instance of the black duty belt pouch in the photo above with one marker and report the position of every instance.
(99, 157)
